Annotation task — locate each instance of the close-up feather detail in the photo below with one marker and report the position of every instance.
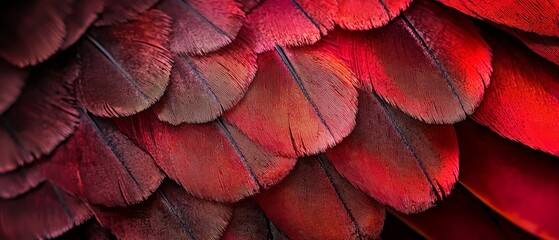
(279, 119)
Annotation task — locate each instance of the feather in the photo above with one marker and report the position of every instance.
(301, 101)
(437, 78)
(547, 47)
(289, 23)
(397, 160)
(315, 202)
(462, 216)
(169, 214)
(90, 230)
(12, 80)
(528, 15)
(45, 212)
(248, 5)
(212, 161)
(250, 223)
(366, 14)
(43, 116)
(126, 67)
(18, 182)
(32, 30)
(396, 229)
(518, 182)
(522, 102)
(102, 165)
(120, 11)
(202, 26)
(202, 88)
(84, 12)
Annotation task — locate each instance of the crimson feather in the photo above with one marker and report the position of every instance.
(203, 87)
(518, 182)
(365, 14)
(119, 11)
(301, 101)
(11, 80)
(202, 26)
(134, 56)
(169, 214)
(396, 159)
(314, 201)
(212, 161)
(43, 116)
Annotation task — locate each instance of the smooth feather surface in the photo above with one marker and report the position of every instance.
(133, 54)
(397, 160)
(301, 101)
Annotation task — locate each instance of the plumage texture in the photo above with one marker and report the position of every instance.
(547, 47)
(11, 80)
(202, 88)
(169, 214)
(32, 30)
(102, 165)
(519, 183)
(301, 102)
(250, 223)
(212, 161)
(43, 116)
(315, 202)
(289, 23)
(445, 75)
(84, 12)
(528, 15)
(135, 57)
(120, 11)
(45, 212)
(397, 160)
(19, 181)
(365, 14)
(522, 102)
(202, 26)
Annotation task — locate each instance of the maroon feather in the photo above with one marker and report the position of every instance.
(19, 181)
(43, 116)
(314, 201)
(102, 165)
(366, 14)
(522, 102)
(213, 161)
(396, 159)
(289, 23)
(250, 223)
(438, 78)
(202, 88)
(126, 67)
(547, 47)
(204, 26)
(31, 30)
(11, 80)
(519, 183)
(301, 102)
(169, 214)
(45, 212)
(119, 11)
(90, 230)
(84, 12)
(248, 5)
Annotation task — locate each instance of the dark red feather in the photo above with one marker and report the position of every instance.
(366, 14)
(119, 11)
(19, 181)
(301, 102)
(250, 223)
(399, 161)
(126, 67)
(11, 80)
(547, 47)
(202, 88)
(84, 12)
(315, 202)
(200, 27)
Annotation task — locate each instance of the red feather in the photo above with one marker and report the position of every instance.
(102, 165)
(520, 183)
(11, 80)
(212, 161)
(314, 201)
(202, 88)
(45, 212)
(84, 12)
(289, 23)
(169, 214)
(32, 30)
(528, 15)
(547, 47)
(366, 14)
(43, 116)
(200, 27)
(248, 5)
(90, 230)
(301, 102)
(134, 56)
(250, 223)
(522, 102)
(119, 11)
(433, 77)
(19, 181)
(396, 159)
